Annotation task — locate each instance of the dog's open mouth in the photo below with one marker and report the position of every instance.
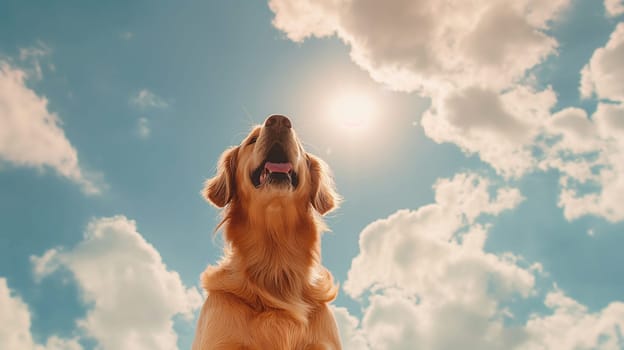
(275, 169)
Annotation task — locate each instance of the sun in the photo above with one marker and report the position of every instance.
(353, 111)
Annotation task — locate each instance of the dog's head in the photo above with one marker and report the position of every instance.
(271, 165)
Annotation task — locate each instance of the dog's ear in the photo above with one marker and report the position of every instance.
(221, 188)
(324, 197)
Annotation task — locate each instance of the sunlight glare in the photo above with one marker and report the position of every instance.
(353, 111)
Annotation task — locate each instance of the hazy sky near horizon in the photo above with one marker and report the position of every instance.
(479, 147)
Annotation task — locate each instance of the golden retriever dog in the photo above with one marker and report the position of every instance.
(270, 290)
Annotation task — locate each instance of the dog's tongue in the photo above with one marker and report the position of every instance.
(278, 167)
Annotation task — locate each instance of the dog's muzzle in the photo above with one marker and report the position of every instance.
(276, 168)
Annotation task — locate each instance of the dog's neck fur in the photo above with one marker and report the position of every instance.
(275, 252)
(279, 246)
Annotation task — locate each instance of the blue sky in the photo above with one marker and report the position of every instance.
(478, 149)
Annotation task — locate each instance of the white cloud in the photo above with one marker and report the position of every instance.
(427, 280)
(410, 248)
(132, 294)
(515, 133)
(32, 136)
(467, 195)
(610, 121)
(586, 151)
(577, 132)
(572, 326)
(143, 128)
(300, 19)
(348, 326)
(614, 7)
(14, 320)
(146, 99)
(589, 152)
(428, 276)
(500, 128)
(604, 74)
(56, 343)
(428, 45)
(15, 326)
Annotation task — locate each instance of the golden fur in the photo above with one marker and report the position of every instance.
(270, 290)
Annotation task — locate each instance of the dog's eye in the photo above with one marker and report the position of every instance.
(252, 140)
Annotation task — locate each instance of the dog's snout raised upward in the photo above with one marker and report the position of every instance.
(278, 122)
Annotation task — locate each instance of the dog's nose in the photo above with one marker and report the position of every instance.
(278, 122)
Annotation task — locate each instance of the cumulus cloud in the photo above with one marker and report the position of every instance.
(572, 326)
(428, 276)
(516, 132)
(614, 7)
(429, 45)
(589, 151)
(146, 99)
(348, 327)
(31, 135)
(424, 274)
(604, 74)
(15, 326)
(132, 295)
(500, 128)
(300, 19)
(407, 247)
